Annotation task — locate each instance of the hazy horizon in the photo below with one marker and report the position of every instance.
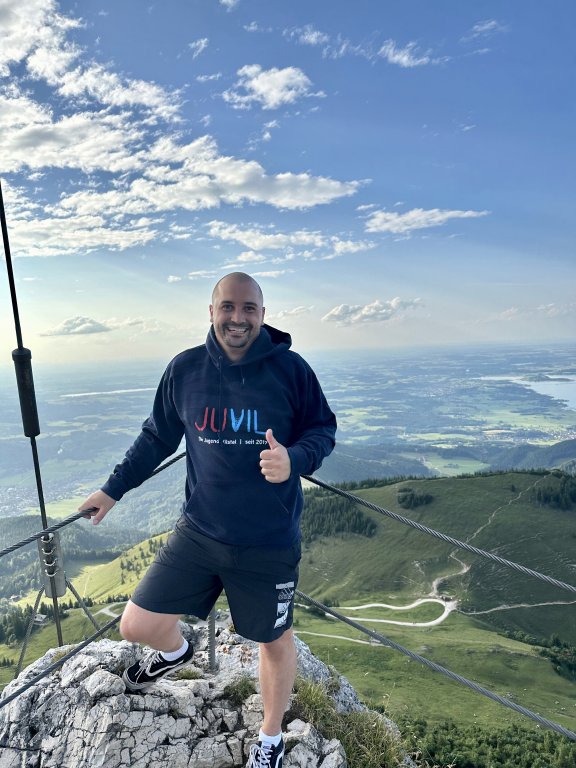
(7, 365)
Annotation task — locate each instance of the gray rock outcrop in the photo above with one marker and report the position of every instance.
(81, 715)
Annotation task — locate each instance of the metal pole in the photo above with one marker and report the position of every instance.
(212, 640)
(22, 358)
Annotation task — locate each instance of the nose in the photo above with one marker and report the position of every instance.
(237, 315)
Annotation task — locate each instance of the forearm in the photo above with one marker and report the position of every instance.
(307, 453)
(142, 458)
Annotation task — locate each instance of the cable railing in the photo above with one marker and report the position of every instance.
(560, 729)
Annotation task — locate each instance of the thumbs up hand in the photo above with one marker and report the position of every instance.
(275, 461)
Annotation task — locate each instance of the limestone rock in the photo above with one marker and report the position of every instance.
(81, 716)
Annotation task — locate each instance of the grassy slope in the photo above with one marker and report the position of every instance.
(388, 678)
(403, 561)
(58, 510)
(103, 581)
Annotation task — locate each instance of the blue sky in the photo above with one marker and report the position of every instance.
(394, 174)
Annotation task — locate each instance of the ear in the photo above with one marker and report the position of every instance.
(263, 312)
(211, 313)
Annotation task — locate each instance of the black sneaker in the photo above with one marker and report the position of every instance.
(266, 756)
(151, 668)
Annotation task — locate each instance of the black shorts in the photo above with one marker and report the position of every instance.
(191, 570)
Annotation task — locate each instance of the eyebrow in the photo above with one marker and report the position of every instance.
(245, 303)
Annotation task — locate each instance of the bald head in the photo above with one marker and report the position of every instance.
(233, 278)
(237, 313)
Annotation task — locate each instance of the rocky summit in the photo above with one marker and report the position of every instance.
(81, 715)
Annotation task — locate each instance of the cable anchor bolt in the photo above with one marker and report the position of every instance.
(52, 565)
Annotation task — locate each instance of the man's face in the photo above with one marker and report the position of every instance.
(237, 315)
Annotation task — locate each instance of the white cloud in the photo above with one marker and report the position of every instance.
(264, 135)
(202, 274)
(96, 82)
(337, 46)
(115, 323)
(229, 4)
(376, 312)
(557, 310)
(194, 177)
(290, 313)
(341, 247)
(404, 57)
(250, 257)
(540, 314)
(34, 35)
(28, 26)
(315, 245)
(44, 230)
(418, 218)
(254, 26)
(332, 47)
(198, 46)
(188, 177)
(99, 121)
(273, 274)
(270, 88)
(208, 78)
(257, 239)
(509, 314)
(174, 279)
(31, 137)
(307, 35)
(78, 325)
(486, 28)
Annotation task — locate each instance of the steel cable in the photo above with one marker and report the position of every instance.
(72, 518)
(57, 664)
(438, 668)
(442, 536)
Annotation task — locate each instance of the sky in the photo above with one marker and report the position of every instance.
(393, 174)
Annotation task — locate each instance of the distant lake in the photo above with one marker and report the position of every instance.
(559, 390)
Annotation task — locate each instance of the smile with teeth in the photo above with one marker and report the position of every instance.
(235, 331)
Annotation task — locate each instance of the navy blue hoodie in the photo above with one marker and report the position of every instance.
(224, 409)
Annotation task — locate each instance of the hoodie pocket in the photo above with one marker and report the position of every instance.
(239, 512)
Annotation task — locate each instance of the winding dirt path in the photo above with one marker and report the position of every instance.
(447, 605)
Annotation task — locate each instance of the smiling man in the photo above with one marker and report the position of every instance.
(237, 313)
(255, 419)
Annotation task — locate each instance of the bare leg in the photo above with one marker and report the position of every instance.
(277, 674)
(158, 630)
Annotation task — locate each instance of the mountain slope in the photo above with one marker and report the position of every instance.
(495, 512)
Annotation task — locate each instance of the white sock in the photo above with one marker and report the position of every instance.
(173, 655)
(264, 738)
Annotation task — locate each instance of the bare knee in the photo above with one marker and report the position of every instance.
(141, 626)
(280, 648)
(130, 625)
